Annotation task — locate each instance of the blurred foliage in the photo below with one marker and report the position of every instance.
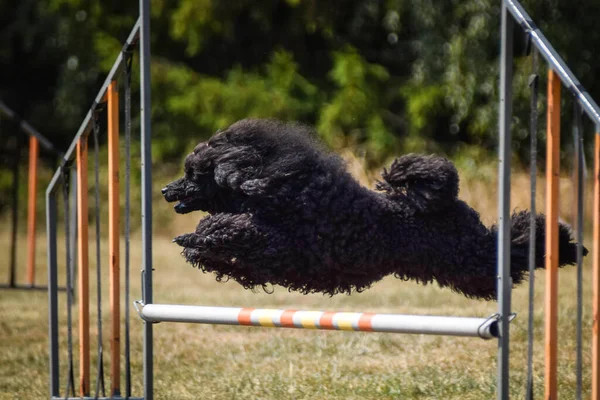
(382, 77)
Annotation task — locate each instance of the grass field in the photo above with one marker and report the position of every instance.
(219, 362)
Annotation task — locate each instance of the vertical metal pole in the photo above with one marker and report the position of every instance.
(73, 226)
(596, 273)
(576, 156)
(552, 175)
(15, 215)
(146, 166)
(533, 83)
(52, 292)
(31, 217)
(579, 168)
(71, 376)
(504, 278)
(100, 348)
(127, 222)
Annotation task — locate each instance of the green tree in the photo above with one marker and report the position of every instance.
(387, 76)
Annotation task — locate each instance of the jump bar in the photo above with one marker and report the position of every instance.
(485, 328)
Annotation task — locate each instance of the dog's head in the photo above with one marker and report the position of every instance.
(234, 162)
(197, 186)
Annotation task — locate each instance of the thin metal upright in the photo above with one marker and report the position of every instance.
(146, 167)
(53, 348)
(596, 271)
(504, 157)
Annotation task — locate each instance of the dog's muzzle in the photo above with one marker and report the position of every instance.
(178, 191)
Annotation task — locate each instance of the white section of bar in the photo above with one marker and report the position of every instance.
(485, 328)
(431, 325)
(198, 315)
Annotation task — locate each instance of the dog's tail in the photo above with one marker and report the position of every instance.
(519, 258)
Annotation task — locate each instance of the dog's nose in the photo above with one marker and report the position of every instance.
(163, 190)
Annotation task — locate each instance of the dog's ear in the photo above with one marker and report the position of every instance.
(426, 183)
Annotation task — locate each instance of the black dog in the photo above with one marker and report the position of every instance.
(284, 211)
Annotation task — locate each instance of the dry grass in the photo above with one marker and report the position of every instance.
(218, 362)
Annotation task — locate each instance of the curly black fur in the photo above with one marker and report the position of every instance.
(284, 211)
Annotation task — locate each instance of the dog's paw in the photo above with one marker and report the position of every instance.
(188, 240)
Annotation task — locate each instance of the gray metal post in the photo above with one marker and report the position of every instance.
(580, 169)
(504, 153)
(15, 214)
(73, 226)
(146, 166)
(52, 292)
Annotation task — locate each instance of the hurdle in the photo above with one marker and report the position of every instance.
(485, 328)
(35, 140)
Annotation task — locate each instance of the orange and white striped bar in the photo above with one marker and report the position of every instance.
(485, 328)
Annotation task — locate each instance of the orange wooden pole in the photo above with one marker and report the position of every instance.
(33, 160)
(552, 174)
(596, 276)
(83, 281)
(113, 234)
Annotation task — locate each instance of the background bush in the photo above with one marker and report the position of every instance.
(380, 77)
